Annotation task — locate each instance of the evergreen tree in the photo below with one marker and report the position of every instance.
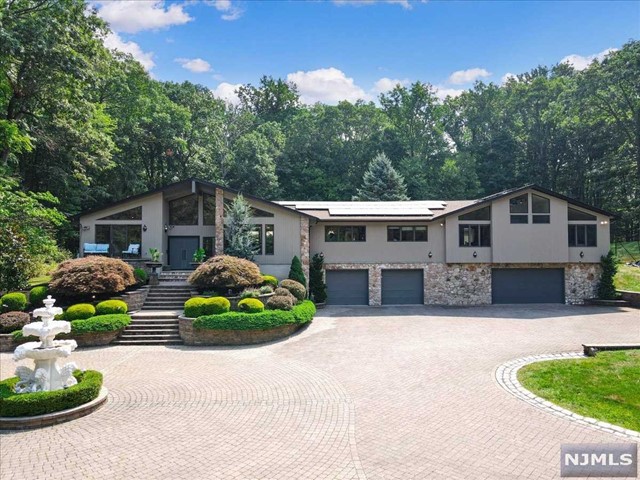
(296, 273)
(237, 233)
(606, 288)
(382, 182)
(317, 287)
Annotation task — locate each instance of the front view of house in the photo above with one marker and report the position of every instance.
(524, 245)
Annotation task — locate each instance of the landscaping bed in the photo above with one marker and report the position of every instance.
(605, 387)
(239, 328)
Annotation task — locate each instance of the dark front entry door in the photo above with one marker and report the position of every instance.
(181, 250)
(527, 285)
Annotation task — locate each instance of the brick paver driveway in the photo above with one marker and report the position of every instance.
(362, 393)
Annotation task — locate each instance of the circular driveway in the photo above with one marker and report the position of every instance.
(406, 392)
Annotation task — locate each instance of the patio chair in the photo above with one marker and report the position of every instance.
(134, 249)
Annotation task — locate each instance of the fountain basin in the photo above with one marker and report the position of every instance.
(34, 350)
(39, 329)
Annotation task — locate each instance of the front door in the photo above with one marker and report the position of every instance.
(181, 250)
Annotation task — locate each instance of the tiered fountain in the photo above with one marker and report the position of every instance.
(46, 376)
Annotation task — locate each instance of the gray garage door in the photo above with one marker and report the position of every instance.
(347, 287)
(402, 287)
(527, 285)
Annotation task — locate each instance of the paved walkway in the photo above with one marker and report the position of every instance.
(362, 393)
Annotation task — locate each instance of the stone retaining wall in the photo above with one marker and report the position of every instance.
(632, 297)
(470, 283)
(93, 339)
(135, 298)
(197, 336)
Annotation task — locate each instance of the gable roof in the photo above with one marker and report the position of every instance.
(188, 182)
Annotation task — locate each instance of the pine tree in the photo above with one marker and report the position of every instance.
(317, 287)
(382, 182)
(606, 288)
(240, 243)
(296, 273)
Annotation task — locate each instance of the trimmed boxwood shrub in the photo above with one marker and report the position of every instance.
(270, 280)
(250, 305)
(11, 321)
(281, 302)
(93, 275)
(14, 302)
(37, 295)
(141, 275)
(300, 314)
(40, 403)
(111, 306)
(226, 272)
(296, 288)
(79, 311)
(99, 323)
(198, 306)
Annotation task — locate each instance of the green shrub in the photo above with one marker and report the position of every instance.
(606, 288)
(296, 288)
(250, 305)
(300, 314)
(250, 293)
(270, 280)
(100, 323)
(296, 273)
(37, 295)
(79, 311)
(265, 289)
(198, 306)
(92, 275)
(225, 272)
(14, 302)
(281, 302)
(317, 287)
(111, 306)
(141, 275)
(40, 403)
(12, 321)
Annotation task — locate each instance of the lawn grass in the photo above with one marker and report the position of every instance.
(605, 387)
(627, 251)
(627, 278)
(41, 280)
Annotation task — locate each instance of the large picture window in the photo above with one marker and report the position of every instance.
(130, 214)
(416, 233)
(480, 214)
(184, 211)
(119, 237)
(475, 235)
(580, 216)
(209, 209)
(340, 233)
(584, 235)
(519, 209)
(540, 209)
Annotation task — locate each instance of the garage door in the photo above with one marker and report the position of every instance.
(347, 287)
(527, 285)
(402, 287)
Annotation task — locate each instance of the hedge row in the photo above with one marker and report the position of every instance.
(39, 403)
(100, 323)
(300, 314)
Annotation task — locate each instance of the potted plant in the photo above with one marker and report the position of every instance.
(155, 262)
(198, 257)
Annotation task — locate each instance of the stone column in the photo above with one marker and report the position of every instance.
(219, 247)
(375, 285)
(304, 246)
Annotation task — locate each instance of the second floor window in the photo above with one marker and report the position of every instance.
(519, 209)
(184, 211)
(583, 235)
(340, 233)
(475, 235)
(416, 233)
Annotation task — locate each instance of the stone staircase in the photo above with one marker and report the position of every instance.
(157, 322)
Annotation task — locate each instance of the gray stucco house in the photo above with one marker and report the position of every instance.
(524, 245)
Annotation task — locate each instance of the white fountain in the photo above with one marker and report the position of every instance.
(46, 376)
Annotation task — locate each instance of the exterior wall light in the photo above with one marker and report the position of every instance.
(475, 254)
(166, 228)
(430, 255)
(144, 228)
(86, 227)
(581, 254)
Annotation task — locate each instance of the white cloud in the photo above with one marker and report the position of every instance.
(326, 85)
(508, 76)
(195, 65)
(132, 16)
(359, 3)
(227, 92)
(444, 92)
(467, 76)
(230, 12)
(386, 84)
(580, 63)
(113, 42)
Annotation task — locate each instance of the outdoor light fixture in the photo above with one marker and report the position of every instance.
(430, 255)
(166, 228)
(86, 227)
(475, 254)
(144, 228)
(581, 254)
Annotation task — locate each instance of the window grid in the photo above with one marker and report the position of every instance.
(408, 233)
(342, 233)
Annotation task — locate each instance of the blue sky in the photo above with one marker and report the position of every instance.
(345, 49)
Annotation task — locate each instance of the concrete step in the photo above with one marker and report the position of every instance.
(147, 342)
(151, 326)
(154, 316)
(146, 332)
(162, 307)
(151, 336)
(162, 303)
(168, 297)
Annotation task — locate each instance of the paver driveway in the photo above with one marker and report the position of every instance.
(362, 393)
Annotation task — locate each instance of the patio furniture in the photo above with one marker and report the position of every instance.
(134, 249)
(96, 249)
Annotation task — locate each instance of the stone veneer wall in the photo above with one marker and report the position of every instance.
(470, 283)
(219, 227)
(304, 246)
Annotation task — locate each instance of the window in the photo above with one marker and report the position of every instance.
(208, 209)
(578, 215)
(254, 212)
(407, 234)
(583, 235)
(345, 234)
(131, 214)
(475, 235)
(269, 239)
(209, 245)
(184, 211)
(540, 209)
(119, 237)
(480, 214)
(256, 237)
(519, 206)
